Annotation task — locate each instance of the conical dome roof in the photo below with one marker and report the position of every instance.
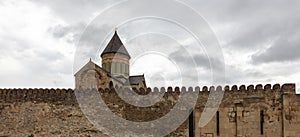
(115, 45)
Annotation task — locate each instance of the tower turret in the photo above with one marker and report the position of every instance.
(115, 58)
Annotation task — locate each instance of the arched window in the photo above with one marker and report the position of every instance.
(90, 77)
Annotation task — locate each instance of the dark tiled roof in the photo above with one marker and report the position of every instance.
(115, 45)
(135, 80)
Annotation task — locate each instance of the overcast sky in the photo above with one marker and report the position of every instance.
(259, 39)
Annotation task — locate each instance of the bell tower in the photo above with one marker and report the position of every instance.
(115, 57)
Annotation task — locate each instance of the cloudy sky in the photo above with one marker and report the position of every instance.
(259, 41)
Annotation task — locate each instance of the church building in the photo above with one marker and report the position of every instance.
(114, 71)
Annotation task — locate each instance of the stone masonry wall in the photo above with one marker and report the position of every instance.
(244, 112)
(55, 112)
(252, 112)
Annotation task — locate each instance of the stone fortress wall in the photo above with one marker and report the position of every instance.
(252, 111)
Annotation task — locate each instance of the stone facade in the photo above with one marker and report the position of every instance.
(250, 111)
(253, 112)
(114, 71)
(120, 64)
(93, 76)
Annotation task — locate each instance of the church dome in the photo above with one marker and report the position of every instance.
(115, 45)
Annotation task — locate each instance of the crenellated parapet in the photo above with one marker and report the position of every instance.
(234, 88)
(250, 108)
(67, 95)
(63, 96)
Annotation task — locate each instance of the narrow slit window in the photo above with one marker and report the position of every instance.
(218, 123)
(261, 122)
(191, 124)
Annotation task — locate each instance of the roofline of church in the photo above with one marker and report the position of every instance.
(108, 73)
(115, 46)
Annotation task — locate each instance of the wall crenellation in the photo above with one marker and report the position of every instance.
(60, 95)
(38, 95)
(241, 109)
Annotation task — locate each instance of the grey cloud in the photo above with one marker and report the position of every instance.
(41, 61)
(259, 34)
(71, 33)
(74, 11)
(34, 67)
(253, 26)
(234, 74)
(31, 59)
(181, 56)
(11, 45)
(256, 22)
(212, 69)
(252, 23)
(60, 31)
(199, 60)
(283, 49)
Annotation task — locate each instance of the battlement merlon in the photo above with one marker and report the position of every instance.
(288, 88)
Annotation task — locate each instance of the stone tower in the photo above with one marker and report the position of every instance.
(115, 58)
